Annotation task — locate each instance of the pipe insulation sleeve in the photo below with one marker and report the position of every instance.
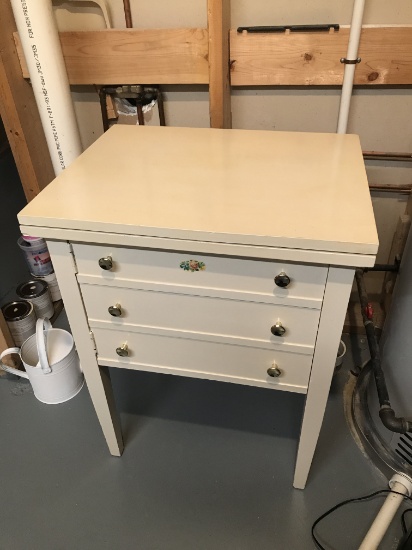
(41, 46)
(349, 73)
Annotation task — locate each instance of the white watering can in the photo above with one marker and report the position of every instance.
(51, 363)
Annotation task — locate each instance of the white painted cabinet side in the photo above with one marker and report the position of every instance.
(97, 378)
(337, 292)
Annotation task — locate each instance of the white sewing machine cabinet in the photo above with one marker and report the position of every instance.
(220, 254)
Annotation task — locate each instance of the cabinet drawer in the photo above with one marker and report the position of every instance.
(197, 314)
(229, 363)
(215, 273)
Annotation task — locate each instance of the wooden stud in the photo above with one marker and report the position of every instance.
(218, 17)
(19, 113)
(130, 56)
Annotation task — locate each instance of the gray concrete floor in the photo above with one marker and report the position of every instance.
(207, 465)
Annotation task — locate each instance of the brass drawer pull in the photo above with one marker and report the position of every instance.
(274, 371)
(106, 263)
(278, 329)
(115, 311)
(123, 350)
(282, 280)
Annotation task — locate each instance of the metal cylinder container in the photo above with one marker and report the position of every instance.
(36, 255)
(51, 281)
(21, 320)
(37, 292)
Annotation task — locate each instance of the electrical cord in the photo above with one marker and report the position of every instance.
(406, 541)
(404, 527)
(359, 499)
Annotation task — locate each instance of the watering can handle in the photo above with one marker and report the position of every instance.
(42, 326)
(17, 372)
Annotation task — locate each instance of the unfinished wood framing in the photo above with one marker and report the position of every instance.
(132, 56)
(19, 113)
(196, 56)
(299, 59)
(218, 16)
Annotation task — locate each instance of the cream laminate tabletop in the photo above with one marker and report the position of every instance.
(280, 189)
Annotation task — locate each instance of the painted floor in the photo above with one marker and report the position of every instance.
(207, 466)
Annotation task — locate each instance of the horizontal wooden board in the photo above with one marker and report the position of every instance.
(130, 56)
(298, 59)
(180, 56)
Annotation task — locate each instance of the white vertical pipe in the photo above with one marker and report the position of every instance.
(400, 484)
(41, 46)
(348, 75)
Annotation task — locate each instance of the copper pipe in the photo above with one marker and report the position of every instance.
(161, 108)
(128, 14)
(103, 107)
(377, 155)
(391, 189)
(140, 116)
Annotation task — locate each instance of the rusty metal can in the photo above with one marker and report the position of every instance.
(37, 292)
(21, 320)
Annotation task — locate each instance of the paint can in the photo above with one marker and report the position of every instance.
(21, 320)
(54, 289)
(37, 292)
(36, 255)
(30, 239)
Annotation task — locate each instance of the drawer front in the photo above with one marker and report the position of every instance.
(198, 314)
(229, 363)
(213, 272)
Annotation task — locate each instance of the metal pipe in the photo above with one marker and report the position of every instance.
(386, 413)
(41, 46)
(128, 14)
(140, 115)
(103, 107)
(383, 267)
(372, 340)
(377, 155)
(391, 189)
(349, 73)
(160, 106)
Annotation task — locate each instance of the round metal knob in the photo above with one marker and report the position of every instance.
(123, 350)
(116, 310)
(278, 329)
(282, 280)
(274, 371)
(106, 263)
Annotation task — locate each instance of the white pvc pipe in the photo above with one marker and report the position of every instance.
(400, 484)
(103, 6)
(348, 75)
(41, 46)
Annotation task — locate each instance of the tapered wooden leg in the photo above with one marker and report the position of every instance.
(97, 378)
(338, 288)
